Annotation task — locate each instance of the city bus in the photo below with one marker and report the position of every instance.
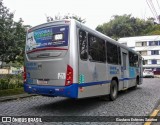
(68, 59)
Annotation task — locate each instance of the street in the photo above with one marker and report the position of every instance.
(139, 102)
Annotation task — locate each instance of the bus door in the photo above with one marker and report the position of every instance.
(124, 74)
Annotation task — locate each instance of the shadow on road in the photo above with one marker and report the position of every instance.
(67, 106)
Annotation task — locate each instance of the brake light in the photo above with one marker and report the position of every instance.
(69, 76)
(24, 75)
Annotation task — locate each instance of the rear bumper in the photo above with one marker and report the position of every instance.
(146, 75)
(64, 91)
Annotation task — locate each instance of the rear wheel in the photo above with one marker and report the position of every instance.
(113, 90)
(137, 82)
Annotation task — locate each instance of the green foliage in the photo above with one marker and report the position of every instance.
(12, 37)
(126, 25)
(11, 82)
(67, 16)
(153, 30)
(8, 92)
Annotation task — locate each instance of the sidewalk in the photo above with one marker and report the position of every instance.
(157, 76)
(157, 115)
(14, 97)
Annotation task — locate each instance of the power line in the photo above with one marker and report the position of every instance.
(150, 8)
(158, 4)
(153, 10)
(151, 3)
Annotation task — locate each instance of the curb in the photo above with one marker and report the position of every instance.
(158, 115)
(155, 113)
(156, 76)
(14, 97)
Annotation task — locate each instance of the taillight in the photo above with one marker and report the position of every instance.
(69, 76)
(24, 75)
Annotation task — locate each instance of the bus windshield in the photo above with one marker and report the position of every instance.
(47, 37)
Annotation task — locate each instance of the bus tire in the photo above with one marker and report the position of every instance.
(113, 90)
(137, 82)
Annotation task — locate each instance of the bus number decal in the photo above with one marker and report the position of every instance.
(114, 70)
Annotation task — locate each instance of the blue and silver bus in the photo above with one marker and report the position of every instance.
(66, 58)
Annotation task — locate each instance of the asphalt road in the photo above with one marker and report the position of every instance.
(139, 102)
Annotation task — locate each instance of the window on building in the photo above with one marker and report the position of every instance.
(145, 62)
(157, 69)
(132, 48)
(143, 53)
(153, 43)
(112, 53)
(139, 52)
(96, 49)
(138, 44)
(154, 61)
(154, 52)
(124, 44)
(144, 43)
(83, 45)
(141, 44)
(133, 59)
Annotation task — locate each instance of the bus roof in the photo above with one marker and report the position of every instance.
(106, 37)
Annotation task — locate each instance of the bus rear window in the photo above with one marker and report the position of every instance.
(47, 37)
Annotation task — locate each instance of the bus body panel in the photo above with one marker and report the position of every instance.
(46, 63)
(47, 70)
(90, 74)
(52, 70)
(114, 72)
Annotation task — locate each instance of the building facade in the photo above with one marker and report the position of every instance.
(148, 47)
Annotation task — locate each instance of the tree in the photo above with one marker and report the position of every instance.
(12, 37)
(125, 26)
(67, 16)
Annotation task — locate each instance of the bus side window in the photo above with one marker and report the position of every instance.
(133, 59)
(112, 53)
(96, 49)
(83, 45)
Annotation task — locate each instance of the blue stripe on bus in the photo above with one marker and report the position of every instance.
(123, 79)
(101, 82)
(65, 91)
(93, 83)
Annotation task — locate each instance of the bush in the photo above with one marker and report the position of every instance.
(11, 82)
(3, 84)
(8, 92)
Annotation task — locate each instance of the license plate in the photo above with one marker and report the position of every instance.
(42, 82)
